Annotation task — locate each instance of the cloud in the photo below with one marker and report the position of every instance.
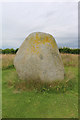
(58, 19)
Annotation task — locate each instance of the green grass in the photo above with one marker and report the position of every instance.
(22, 100)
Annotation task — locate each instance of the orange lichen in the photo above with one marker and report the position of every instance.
(37, 36)
(37, 41)
(47, 40)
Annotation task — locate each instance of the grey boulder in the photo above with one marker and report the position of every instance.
(38, 58)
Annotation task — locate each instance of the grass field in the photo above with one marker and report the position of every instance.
(24, 99)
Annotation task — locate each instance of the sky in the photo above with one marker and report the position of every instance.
(60, 19)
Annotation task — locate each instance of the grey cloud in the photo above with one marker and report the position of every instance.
(20, 19)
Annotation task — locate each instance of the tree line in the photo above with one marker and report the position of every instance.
(62, 50)
(69, 50)
(8, 51)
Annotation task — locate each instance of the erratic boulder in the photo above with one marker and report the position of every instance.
(38, 58)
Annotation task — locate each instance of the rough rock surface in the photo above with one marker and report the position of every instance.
(38, 58)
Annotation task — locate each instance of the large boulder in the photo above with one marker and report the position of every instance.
(38, 58)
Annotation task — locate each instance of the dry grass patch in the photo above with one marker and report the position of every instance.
(70, 59)
(7, 60)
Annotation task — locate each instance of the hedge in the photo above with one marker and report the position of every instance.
(62, 50)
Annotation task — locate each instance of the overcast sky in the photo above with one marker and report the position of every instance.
(58, 19)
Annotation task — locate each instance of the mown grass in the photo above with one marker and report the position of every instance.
(31, 99)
